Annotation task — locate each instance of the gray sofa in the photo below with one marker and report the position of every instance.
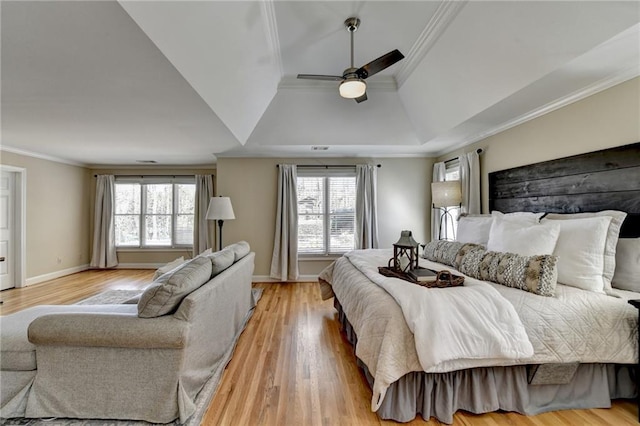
(144, 361)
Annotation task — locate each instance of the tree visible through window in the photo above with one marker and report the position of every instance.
(326, 214)
(154, 214)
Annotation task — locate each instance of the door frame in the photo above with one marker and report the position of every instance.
(20, 215)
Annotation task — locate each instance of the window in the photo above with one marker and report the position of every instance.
(452, 172)
(153, 213)
(326, 212)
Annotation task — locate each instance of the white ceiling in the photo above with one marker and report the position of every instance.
(182, 83)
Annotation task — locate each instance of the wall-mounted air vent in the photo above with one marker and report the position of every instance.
(319, 148)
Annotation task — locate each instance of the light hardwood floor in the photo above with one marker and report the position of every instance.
(292, 366)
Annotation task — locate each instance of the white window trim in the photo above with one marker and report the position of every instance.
(144, 180)
(326, 174)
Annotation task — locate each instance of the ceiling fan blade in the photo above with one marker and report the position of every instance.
(320, 77)
(362, 98)
(377, 65)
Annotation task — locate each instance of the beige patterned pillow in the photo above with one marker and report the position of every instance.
(442, 251)
(536, 274)
(166, 293)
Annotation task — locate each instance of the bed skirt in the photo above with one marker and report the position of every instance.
(483, 390)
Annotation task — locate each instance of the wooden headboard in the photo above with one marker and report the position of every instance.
(599, 180)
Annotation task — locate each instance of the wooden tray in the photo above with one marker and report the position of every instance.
(455, 281)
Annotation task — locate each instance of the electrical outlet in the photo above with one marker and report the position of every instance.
(59, 260)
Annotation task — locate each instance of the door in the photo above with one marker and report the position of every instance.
(7, 226)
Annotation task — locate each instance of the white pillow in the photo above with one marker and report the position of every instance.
(520, 217)
(474, 229)
(627, 276)
(613, 232)
(580, 250)
(523, 238)
(168, 267)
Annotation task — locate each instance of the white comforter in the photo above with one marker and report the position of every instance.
(468, 323)
(574, 326)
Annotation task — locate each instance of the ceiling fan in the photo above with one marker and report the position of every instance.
(353, 85)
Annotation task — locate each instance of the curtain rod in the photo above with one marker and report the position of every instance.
(479, 151)
(337, 166)
(152, 176)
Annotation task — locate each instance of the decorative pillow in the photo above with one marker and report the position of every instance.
(240, 249)
(474, 229)
(164, 296)
(627, 276)
(580, 250)
(613, 232)
(221, 260)
(468, 259)
(442, 251)
(168, 267)
(523, 238)
(536, 274)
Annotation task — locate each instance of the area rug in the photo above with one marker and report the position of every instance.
(110, 297)
(202, 400)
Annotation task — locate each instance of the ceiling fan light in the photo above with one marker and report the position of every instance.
(352, 88)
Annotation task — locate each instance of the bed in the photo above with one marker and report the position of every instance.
(580, 345)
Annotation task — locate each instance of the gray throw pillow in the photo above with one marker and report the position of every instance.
(240, 250)
(166, 293)
(221, 260)
(442, 251)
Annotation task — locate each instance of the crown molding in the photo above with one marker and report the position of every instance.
(445, 13)
(381, 83)
(271, 25)
(592, 89)
(41, 156)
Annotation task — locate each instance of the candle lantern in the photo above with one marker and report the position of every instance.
(405, 253)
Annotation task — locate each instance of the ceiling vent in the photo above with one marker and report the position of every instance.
(319, 148)
(146, 161)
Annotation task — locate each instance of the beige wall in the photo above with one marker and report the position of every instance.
(146, 257)
(403, 200)
(607, 119)
(57, 218)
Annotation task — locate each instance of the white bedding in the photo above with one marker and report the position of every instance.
(470, 323)
(573, 326)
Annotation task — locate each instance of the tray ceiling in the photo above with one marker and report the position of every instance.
(182, 83)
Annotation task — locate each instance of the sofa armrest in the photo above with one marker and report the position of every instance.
(108, 330)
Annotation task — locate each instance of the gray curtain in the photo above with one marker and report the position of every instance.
(436, 214)
(104, 234)
(366, 207)
(202, 228)
(470, 182)
(284, 262)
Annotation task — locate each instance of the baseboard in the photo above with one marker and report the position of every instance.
(268, 279)
(57, 274)
(139, 265)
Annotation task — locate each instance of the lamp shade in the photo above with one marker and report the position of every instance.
(446, 194)
(352, 88)
(220, 208)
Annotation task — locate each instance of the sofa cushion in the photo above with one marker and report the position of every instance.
(221, 260)
(166, 293)
(17, 353)
(240, 249)
(168, 267)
